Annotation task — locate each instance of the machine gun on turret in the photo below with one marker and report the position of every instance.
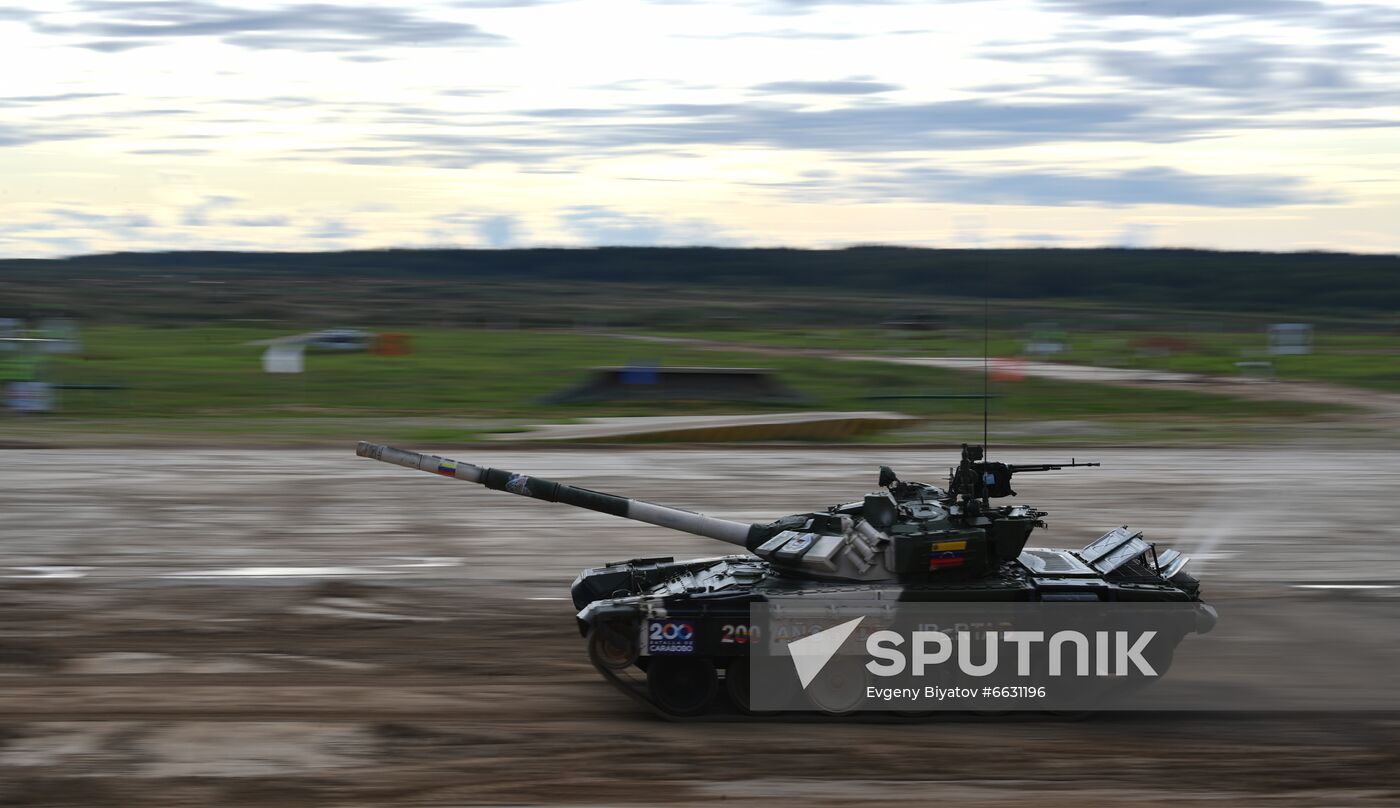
(975, 478)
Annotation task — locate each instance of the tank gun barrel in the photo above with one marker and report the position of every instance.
(638, 510)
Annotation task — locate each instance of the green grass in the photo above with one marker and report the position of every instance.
(460, 384)
(1369, 361)
(1361, 360)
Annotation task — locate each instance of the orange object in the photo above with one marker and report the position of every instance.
(1007, 369)
(392, 343)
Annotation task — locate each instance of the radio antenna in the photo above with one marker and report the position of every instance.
(985, 307)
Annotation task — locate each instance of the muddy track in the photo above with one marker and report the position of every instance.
(256, 628)
(269, 705)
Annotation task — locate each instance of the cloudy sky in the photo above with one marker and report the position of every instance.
(1254, 124)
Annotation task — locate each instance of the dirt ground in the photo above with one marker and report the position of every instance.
(266, 628)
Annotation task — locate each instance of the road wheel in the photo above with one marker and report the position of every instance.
(840, 687)
(736, 684)
(681, 685)
(611, 646)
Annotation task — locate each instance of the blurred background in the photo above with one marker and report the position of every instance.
(881, 344)
(636, 246)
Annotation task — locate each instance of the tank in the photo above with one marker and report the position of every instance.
(906, 542)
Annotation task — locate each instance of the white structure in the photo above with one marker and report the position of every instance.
(284, 357)
(288, 354)
(1290, 339)
(29, 397)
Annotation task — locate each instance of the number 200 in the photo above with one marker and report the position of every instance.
(737, 634)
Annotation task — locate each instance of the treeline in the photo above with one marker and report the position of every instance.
(1194, 279)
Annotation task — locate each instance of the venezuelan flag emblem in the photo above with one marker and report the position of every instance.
(955, 558)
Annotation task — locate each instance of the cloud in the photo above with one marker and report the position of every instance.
(272, 220)
(502, 3)
(565, 138)
(1245, 68)
(1359, 18)
(172, 152)
(277, 101)
(804, 6)
(602, 226)
(71, 229)
(874, 127)
(499, 232)
(125, 221)
(119, 24)
(148, 113)
(1142, 186)
(331, 229)
(116, 45)
(40, 230)
(23, 136)
(1185, 8)
(496, 231)
(1244, 77)
(1136, 235)
(198, 215)
(448, 151)
(781, 33)
(1039, 238)
(34, 100)
(40, 246)
(846, 87)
